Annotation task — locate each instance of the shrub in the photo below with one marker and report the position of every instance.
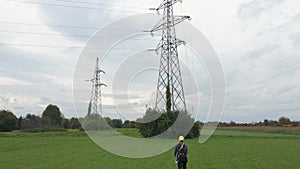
(165, 121)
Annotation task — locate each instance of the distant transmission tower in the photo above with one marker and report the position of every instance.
(169, 94)
(95, 105)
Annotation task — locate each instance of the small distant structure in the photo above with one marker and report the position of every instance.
(95, 105)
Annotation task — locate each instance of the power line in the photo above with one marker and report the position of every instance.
(78, 47)
(76, 7)
(106, 4)
(47, 34)
(27, 71)
(67, 26)
(30, 85)
(69, 35)
(50, 25)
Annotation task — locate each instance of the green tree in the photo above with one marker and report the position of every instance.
(31, 123)
(129, 124)
(284, 121)
(273, 123)
(66, 123)
(199, 124)
(8, 121)
(232, 124)
(164, 123)
(126, 124)
(19, 122)
(94, 122)
(194, 131)
(139, 123)
(52, 117)
(266, 122)
(74, 123)
(117, 123)
(132, 124)
(108, 121)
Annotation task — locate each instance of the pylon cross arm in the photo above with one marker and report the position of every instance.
(161, 24)
(167, 3)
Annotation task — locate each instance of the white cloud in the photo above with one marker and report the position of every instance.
(20, 104)
(11, 82)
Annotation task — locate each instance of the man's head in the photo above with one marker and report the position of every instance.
(181, 138)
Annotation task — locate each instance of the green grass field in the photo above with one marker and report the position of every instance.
(73, 149)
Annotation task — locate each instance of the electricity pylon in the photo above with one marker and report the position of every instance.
(169, 94)
(95, 105)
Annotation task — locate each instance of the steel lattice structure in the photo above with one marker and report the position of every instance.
(96, 100)
(169, 94)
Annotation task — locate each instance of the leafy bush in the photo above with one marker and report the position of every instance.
(164, 122)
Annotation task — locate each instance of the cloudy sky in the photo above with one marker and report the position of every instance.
(257, 42)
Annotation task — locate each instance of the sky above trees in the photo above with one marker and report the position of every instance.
(257, 43)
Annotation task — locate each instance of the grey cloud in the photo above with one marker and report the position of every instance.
(15, 59)
(270, 95)
(19, 104)
(258, 53)
(52, 15)
(296, 39)
(256, 92)
(296, 18)
(285, 27)
(23, 66)
(255, 8)
(122, 96)
(30, 80)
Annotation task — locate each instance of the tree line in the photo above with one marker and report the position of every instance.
(281, 122)
(51, 120)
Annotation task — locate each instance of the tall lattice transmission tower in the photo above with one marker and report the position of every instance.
(95, 105)
(169, 94)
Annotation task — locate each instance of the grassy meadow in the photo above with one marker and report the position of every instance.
(226, 149)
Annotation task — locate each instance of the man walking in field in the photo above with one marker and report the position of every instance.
(180, 153)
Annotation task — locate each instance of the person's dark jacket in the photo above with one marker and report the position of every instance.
(177, 147)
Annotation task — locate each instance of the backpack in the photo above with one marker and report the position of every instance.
(181, 156)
